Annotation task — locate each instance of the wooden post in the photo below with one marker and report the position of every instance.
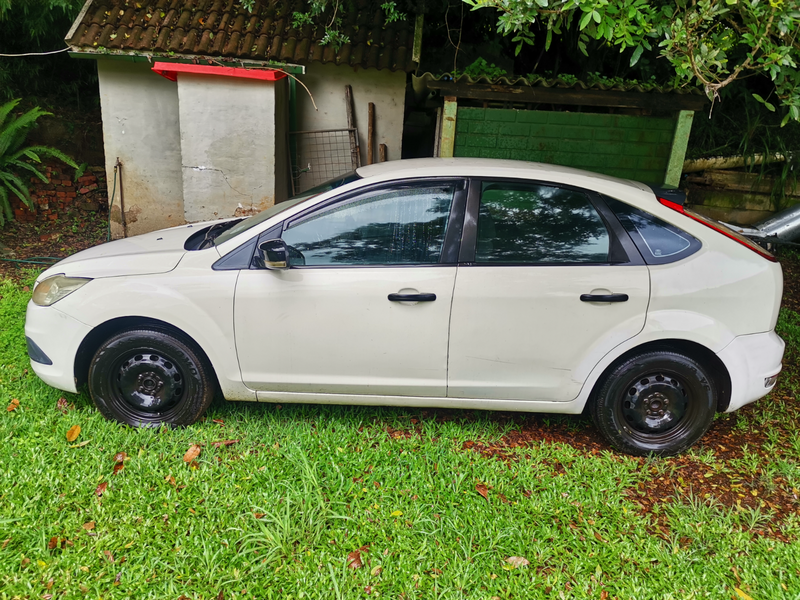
(370, 134)
(680, 140)
(382, 153)
(355, 151)
(448, 127)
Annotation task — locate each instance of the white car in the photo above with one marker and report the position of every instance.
(462, 283)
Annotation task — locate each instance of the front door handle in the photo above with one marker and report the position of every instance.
(412, 297)
(604, 297)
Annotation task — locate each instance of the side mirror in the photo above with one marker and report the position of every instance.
(273, 254)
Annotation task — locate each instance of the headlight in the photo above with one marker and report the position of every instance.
(53, 289)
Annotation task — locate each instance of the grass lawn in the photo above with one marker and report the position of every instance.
(305, 501)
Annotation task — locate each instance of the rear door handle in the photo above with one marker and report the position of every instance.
(412, 297)
(604, 297)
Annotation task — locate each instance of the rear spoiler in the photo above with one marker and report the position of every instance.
(669, 193)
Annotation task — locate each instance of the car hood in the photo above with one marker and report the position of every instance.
(146, 254)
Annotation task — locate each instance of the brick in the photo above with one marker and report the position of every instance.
(495, 153)
(484, 141)
(71, 194)
(484, 127)
(462, 126)
(564, 118)
(500, 114)
(515, 129)
(471, 114)
(83, 190)
(92, 187)
(532, 116)
(516, 143)
(608, 134)
(61, 194)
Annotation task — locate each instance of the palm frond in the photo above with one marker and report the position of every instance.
(16, 185)
(28, 167)
(53, 153)
(5, 205)
(12, 133)
(6, 109)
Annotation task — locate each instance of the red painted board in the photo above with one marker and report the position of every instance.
(171, 70)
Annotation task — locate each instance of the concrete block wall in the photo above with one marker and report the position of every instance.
(631, 147)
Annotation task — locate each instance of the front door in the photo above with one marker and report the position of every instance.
(364, 307)
(547, 290)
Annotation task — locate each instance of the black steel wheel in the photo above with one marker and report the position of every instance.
(148, 378)
(655, 403)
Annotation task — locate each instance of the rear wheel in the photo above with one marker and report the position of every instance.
(148, 378)
(656, 402)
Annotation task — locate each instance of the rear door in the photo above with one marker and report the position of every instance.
(548, 283)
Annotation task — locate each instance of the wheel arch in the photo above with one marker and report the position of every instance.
(698, 352)
(98, 335)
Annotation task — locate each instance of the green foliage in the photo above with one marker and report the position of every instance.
(39, 26)
(710, 43)
(481, 68)
(17, 161)
(327, 15)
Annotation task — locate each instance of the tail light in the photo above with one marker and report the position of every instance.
(720, 228)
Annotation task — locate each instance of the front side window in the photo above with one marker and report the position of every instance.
(521, 223)
(388, 227)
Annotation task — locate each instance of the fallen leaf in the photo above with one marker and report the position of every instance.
(101, 489)
(192, 453)
(88, 526)
(397, 513)
(80, 444)
(258, 515)
(604, 595)
(599, 537)
(64, 406)
(118, 467)
(73, 433)
(224, 443)
(109, 556)
(194, 465)
(221, 595)
(25, 288)
(170, 479)
(5, 543)
(53, 543)
(742, 594)
(117, 578)
(120, 457)
(376, 571)
(13, 406)
(482, 490)
(518, 561)
(219, 422)
(354, 560)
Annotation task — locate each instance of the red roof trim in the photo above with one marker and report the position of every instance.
(171, 70)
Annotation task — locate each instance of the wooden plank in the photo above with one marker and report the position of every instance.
(382, 153)
(355, 151)
(371, 134)
(569, 96)
(448, 140)
(416, 52)
(680, 141)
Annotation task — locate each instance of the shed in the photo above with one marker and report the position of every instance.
(631, 131)
(198, 99)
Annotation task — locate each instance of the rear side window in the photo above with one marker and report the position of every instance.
(520, 223)
(658, 241)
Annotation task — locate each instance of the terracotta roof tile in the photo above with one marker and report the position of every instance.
(224, 28)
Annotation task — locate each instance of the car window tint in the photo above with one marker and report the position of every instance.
(401, 226)
(538, 224)
(658, 241)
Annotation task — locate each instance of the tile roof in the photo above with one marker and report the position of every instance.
(222, 28)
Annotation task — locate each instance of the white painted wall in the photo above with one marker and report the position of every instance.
(230, 144)
(384, 88)
(141, 126)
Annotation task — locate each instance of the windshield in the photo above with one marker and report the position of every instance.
(250, 222)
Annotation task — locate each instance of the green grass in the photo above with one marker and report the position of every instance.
(276, 514)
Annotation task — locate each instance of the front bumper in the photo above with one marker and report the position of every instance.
(58, 336)
(752, 360)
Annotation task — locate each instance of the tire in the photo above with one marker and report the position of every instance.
(149, 378)
(658, 403)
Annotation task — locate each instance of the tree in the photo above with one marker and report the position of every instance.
(707, 42)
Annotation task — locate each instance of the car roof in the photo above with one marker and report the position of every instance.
(490, 167)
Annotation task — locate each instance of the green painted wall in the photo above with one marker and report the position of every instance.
(620, 145)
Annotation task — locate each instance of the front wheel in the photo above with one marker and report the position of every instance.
(655, 403)
(148, 378)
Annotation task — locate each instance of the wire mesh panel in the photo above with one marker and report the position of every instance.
(321, 155)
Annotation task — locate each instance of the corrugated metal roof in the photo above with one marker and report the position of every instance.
(568, 83)
(222, 28)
